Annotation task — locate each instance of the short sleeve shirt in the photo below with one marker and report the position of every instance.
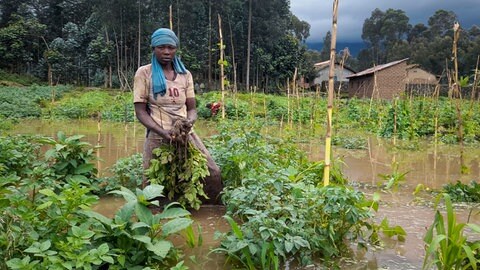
(168, 108)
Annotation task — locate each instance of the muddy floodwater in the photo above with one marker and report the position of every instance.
(432, 165)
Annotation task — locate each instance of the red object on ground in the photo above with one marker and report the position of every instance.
(214, 107)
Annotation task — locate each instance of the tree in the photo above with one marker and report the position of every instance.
(440, 23)
(19, 42)
(372, 34)
(386, 32)
(325, 52)
(300, 29)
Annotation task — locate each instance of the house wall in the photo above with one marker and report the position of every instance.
(391, 80)
(420, 76)
(360, 87)
(390, 83)
(340, 74)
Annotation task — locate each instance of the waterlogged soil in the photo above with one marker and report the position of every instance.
(426, 163)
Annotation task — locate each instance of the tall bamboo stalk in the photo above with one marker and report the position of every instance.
(456, 84)
(394, 120)
(374, 90)
(328, 137)
(474, 86)
(139, 36)
(170, 16)
(209, 81)
(249, 39)
(295, 90)
(221, 62)
(234, 64)
(288, 101)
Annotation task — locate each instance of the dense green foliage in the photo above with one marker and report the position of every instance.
(65, 102)
(447, 243)
(126, 172)
(22, 102)
(391, 37)
(46, 221)
(276, 203)
(180, 170)
(407, 118)
(12, 79)
(95, 43)
(80, 42)
(460, 192)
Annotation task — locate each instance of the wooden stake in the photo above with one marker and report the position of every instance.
(328, 137)
(171, 17)
(221, 62)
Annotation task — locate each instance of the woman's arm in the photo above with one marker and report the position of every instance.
(191, 110)
(144, 117)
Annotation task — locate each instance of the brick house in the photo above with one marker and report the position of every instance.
(383, 81)
(388, 80)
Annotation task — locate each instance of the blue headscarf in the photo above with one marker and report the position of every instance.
(164, 36)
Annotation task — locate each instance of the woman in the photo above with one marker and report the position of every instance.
(163, 93)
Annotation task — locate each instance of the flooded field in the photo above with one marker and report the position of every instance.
(429, 165)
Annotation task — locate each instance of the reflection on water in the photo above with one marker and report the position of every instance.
(432, 166)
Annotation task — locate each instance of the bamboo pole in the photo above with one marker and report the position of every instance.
(249, 39)
(457, 95)
(139, 29)
(328, 137)
(221, 62)
(474, 86)
(295, 91)
(288, 101)
(394, 120)
(234, 64)
(170, 17)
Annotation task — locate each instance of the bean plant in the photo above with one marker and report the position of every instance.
(277, 207)
(46, 221)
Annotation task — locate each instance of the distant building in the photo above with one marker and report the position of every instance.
(419, 81)
(389, 80)
(323, 69)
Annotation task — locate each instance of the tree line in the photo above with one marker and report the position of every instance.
(389, 36)
(103, 42)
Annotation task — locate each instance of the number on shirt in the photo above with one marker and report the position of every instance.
(173, 92)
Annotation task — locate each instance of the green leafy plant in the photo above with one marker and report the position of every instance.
(46, 221)
(447, 246)
(350, 142)
(181, 172)
(276, 208)
(139, 236)
(70, 158)
(393, 180)
(460, 192)
(126, 172)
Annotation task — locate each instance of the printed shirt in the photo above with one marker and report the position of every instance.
(166, 109)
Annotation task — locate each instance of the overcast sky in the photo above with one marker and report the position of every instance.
(352, 14)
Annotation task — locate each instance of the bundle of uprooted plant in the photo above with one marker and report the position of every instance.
(180, 167)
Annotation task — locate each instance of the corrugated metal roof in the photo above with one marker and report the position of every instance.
(324, 64)
(376, 68)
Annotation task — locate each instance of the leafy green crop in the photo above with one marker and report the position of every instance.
(46, 221)
(277, 207)
(447, 246)
(460, 192)
(181, 171)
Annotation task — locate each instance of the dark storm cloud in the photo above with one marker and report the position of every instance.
(352, 14)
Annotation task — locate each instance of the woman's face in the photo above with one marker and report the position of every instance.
(165, 53)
